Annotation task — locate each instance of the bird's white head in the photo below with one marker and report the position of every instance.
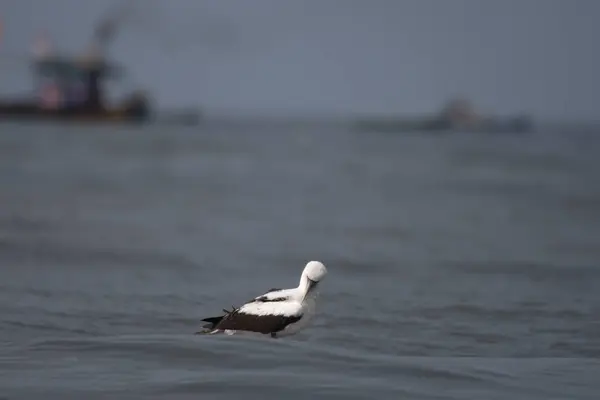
(313, 273)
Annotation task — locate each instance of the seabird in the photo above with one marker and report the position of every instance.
(278, 312)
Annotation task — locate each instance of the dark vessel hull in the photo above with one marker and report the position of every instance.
(31, 111)
(399, 125)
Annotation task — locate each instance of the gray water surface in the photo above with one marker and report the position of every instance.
(460, 266)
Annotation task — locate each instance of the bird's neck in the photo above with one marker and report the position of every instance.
(303, 290)
(303, 285)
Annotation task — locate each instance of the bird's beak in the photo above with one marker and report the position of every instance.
(311, 285)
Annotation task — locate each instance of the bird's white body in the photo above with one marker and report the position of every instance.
(309, 308)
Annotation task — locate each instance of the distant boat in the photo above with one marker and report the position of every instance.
(69, 89)
(457, 116)
(73, 88)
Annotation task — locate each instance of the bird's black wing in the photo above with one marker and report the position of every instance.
(214, 322)
(265, 298)
(256, 323)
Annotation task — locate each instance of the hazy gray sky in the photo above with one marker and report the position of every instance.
(340, 56)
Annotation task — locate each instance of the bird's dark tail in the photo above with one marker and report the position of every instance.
(214, 321)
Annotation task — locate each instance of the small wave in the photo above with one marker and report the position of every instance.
(47, 327)
(494, 313)
(56, 252)
(25, 224)
(170, 345)
(528, 269)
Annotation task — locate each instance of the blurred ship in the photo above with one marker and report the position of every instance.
(73, 88)
(457, 115)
